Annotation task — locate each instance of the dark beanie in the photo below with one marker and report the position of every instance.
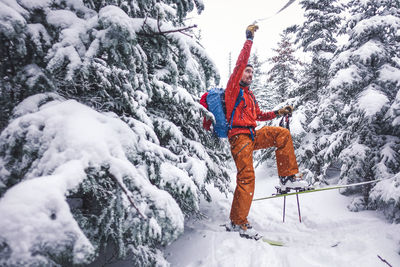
(249, 65)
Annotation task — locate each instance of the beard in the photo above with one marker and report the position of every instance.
(244, 84)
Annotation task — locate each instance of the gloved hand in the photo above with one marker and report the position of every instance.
(284, 111)
(251, 29)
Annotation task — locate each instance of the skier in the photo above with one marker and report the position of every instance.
(244, 139)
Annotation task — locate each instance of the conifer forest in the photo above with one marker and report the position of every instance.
(102, 146)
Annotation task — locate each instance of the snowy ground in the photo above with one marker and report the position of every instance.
(329, 235)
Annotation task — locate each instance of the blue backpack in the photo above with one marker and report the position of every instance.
(216, 105)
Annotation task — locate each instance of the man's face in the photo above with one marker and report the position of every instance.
(247, 76)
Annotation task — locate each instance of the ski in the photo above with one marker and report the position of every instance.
(273, 242)
(317, 190)
(268, 241)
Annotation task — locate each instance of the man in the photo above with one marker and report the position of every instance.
(244, 139)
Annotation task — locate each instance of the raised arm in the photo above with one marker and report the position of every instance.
(232, 88)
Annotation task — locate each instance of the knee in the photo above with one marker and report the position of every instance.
(246, 176)
(246, 184)
(283, 137)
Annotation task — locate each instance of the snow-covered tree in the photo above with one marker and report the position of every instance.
(355, 118)
(260, 87)
(258, 72)
(143, 151)
(280, 85)
(282, 76)
(317, 38)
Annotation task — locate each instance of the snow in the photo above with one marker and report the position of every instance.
(70, 45)
(354, 150)
(6, 4)
(112, 15)
(165, 10)
(298, 119)
(34, 4)
(68, 138)
(370, 50)
(389, 73)
(386, 197)
(371, 101)
(341, 59)
(62, 53)
(387, 190)
(43, 216)
(197, 169)
(38, 33)
(335, 141)
(345, 76)
(33, 103)
(76, 135)
(10, 19)
(373, 23)
(394, 110)
(178, 178)
(329, 234)
(315, 123)
(388, 156)
(63, 18)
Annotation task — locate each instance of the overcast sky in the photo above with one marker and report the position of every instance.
(223, 24)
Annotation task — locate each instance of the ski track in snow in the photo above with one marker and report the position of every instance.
(329, 234)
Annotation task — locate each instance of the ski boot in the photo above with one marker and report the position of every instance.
(292, 182)
(231, 227)
(245, 230)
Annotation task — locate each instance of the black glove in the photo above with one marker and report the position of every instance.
(250, 30)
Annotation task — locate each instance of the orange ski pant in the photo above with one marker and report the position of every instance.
(242, 148)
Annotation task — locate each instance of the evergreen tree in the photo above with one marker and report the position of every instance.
(133, 59)
(254, 60)
(280, 85)
(317, 38)
(282, 75)
(352, 125)
(258, 83)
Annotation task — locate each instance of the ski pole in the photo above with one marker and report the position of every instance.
(298, 207)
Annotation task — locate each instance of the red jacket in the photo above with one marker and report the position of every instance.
(248, 111)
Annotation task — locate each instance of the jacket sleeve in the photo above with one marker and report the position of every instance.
(232, 88)
(264, 116)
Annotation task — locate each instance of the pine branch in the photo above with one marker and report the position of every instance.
(158, 24)
(173, 51)
(127, 194)
(176, 30)
(160, 32)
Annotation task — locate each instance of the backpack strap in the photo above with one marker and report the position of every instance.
(238, 100)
